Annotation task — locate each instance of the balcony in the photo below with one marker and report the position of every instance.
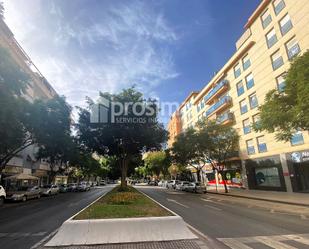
(222, 103)
(219, 88)
(225, 118)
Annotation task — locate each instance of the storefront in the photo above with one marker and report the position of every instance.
(298, 163)
(265, 174)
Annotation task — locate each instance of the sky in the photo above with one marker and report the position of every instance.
(166, 48)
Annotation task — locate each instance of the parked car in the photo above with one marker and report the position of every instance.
(50, 189)
(72, 187)
(63, 188)
(195, 187)
(153, 183)
(2, 195)
(182, 185)
(102, 183)
(83, 186)
(171, 184)
(24, 193)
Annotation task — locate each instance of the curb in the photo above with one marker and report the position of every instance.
(260, 199)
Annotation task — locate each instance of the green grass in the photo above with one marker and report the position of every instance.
(123, 204)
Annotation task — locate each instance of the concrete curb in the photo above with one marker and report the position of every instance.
(260, 199)
(126, 230)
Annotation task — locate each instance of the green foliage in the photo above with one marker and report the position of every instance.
(121, 140)
(286, 112)
(157, 162)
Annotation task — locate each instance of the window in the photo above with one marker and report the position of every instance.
(297, 139)
(249, 81)
(278, 6)
(266, 19)
(246, 126)
(250, 147)
(280, 83)
(243, 106)
(237, 71)
(256, 120)
(292, 48)
(261, 144)
(285, 24)
(253, 101)
(246, 62)
(240, 88)
(271, 38)
(276, 60)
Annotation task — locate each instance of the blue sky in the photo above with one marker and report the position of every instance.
(167, 48)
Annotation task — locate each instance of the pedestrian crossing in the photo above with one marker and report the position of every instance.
(293, 241)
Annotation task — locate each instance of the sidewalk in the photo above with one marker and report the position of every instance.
(300, 199)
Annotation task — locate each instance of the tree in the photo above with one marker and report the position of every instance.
(185, 151)
(54, 137)
(285, 112)
(15, 126)
(217, 144)
(127, 136)
(157, 162)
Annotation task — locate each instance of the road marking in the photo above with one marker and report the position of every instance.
(42, 241)
(298, 238)
(212, 207)
(206, 200)
(234, 244)
(273, 243)
(171, 200)
(303, 217)
(272, 211)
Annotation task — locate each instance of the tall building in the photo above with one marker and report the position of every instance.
(276, 32)
(39, 88)
(174, 128)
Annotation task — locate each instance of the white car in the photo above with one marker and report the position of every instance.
(172, 184)
(182, 185)
(2, 195)
(50, 189)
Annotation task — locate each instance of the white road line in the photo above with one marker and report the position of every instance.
(206, 200)
(234, 244)
(212, 207)
(171, 200)
(42, 241)
(303, 217)
(298, 238)
(273, 243)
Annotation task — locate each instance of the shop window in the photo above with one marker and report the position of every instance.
(262, 147)
(249, 81)
(276, 60)
(285, 24)
(237, 71)
(246, 126)
(271, 38)
(281, 82)
(297, 139)
(240, 88)
(267, 177)
(253, 101)
(279, 5)
(292, 48)
(266, 19)
(243, 106)
(246, 63)
(250, 147)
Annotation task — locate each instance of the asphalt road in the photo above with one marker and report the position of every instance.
(238, 223)
(24, 225)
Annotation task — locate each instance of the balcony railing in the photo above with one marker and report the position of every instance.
(224, 118)
(217, 105)
(216, 89)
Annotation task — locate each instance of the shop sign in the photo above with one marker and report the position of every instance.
(299, 157)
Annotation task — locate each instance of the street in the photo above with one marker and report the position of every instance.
(238, 223)
(24, 225)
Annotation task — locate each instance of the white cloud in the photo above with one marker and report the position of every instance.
(82, 54)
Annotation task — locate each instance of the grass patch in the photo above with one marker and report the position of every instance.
(123, 204)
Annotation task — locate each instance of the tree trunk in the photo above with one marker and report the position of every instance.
(224, 181)
(124, 171)
(198, 173)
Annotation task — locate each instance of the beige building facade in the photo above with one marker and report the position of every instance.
(38, 88)
(275, 33)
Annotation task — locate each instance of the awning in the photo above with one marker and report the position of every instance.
(22, 177)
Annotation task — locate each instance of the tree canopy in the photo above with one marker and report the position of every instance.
(285, 112)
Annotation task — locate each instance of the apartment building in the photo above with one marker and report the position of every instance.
(38, 88)
(174, 128)
(276, 32)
